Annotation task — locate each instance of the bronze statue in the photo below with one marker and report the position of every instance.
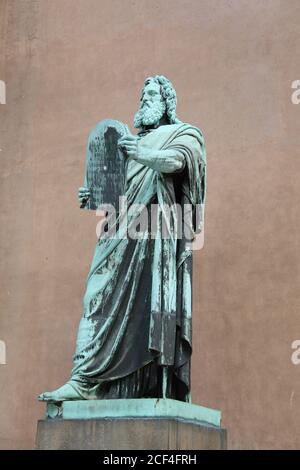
(134, 338)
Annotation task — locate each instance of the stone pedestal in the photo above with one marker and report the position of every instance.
(143, 424)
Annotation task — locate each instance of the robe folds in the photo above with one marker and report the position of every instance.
(137, 308)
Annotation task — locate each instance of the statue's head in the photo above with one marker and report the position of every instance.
(158, 100)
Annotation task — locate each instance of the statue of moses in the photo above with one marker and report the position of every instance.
(135, 335)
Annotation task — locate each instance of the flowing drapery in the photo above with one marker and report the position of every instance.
(137, 309)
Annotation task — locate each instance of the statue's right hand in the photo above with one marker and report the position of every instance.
(83, 196)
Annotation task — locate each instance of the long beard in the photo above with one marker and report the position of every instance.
(149, 115)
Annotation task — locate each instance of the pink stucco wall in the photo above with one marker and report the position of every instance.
(70, 63)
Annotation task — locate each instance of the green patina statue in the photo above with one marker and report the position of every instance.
(134, 338)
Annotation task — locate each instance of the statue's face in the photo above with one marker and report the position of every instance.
(152, 107)
(151, 94)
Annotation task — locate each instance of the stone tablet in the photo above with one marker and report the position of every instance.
(105, 171)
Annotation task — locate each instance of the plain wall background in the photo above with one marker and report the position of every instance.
(68, 64)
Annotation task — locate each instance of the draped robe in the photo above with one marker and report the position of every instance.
(137, 308)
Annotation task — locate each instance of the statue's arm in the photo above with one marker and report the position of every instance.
(164, 161)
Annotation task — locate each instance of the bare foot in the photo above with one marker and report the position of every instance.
(64, 393)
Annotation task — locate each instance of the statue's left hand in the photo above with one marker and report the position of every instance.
(129, 145)
(83, 196)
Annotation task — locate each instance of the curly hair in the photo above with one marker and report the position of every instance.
(169, 95)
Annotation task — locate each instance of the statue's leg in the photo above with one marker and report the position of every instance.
(166, 379)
